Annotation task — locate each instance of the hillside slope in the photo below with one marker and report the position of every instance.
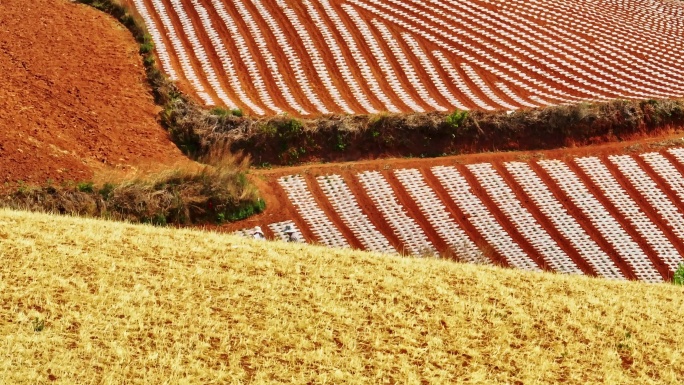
(73, 97)
(137, 304)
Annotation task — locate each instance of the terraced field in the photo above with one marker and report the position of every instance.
(614, 216)
(315, 57)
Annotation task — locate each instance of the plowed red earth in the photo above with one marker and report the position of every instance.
(73, 99)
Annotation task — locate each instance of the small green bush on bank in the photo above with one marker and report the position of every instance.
(678, 278)
(456, 119)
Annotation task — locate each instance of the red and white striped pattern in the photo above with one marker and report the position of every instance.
(482, 219)
(524, 222)
(347, 208)
(403, 226)
(615, 216)
(610, 227)
(314, 57)
(319, 223)
(439, 217)
(562, 220)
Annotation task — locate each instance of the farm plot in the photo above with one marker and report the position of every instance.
(613, 216)
(315, 57)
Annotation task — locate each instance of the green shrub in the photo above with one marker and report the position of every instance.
(86, 187)
(456, 118)
(220, 112)
(224, 112)
(288, 128)
(341, 142)
(159, 219)
(246, 211)
(149, 61)
(106, 190)
(678, 278)
(38, 324)
(146, 48)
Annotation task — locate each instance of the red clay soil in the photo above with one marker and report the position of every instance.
(73, 97)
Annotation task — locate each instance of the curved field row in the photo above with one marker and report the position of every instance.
(614, 216)
(363, 56)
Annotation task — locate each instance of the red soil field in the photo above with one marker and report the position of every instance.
(73, 97)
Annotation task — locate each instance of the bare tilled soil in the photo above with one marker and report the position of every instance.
(73, 97)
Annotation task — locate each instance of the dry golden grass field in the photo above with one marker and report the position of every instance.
(88, 301)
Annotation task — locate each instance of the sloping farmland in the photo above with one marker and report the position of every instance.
(314, 57)
(616, 215)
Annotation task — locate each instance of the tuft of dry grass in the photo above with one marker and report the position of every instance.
(88, 301)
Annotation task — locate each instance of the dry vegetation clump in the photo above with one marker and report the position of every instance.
(87, 301)
(216, 193)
